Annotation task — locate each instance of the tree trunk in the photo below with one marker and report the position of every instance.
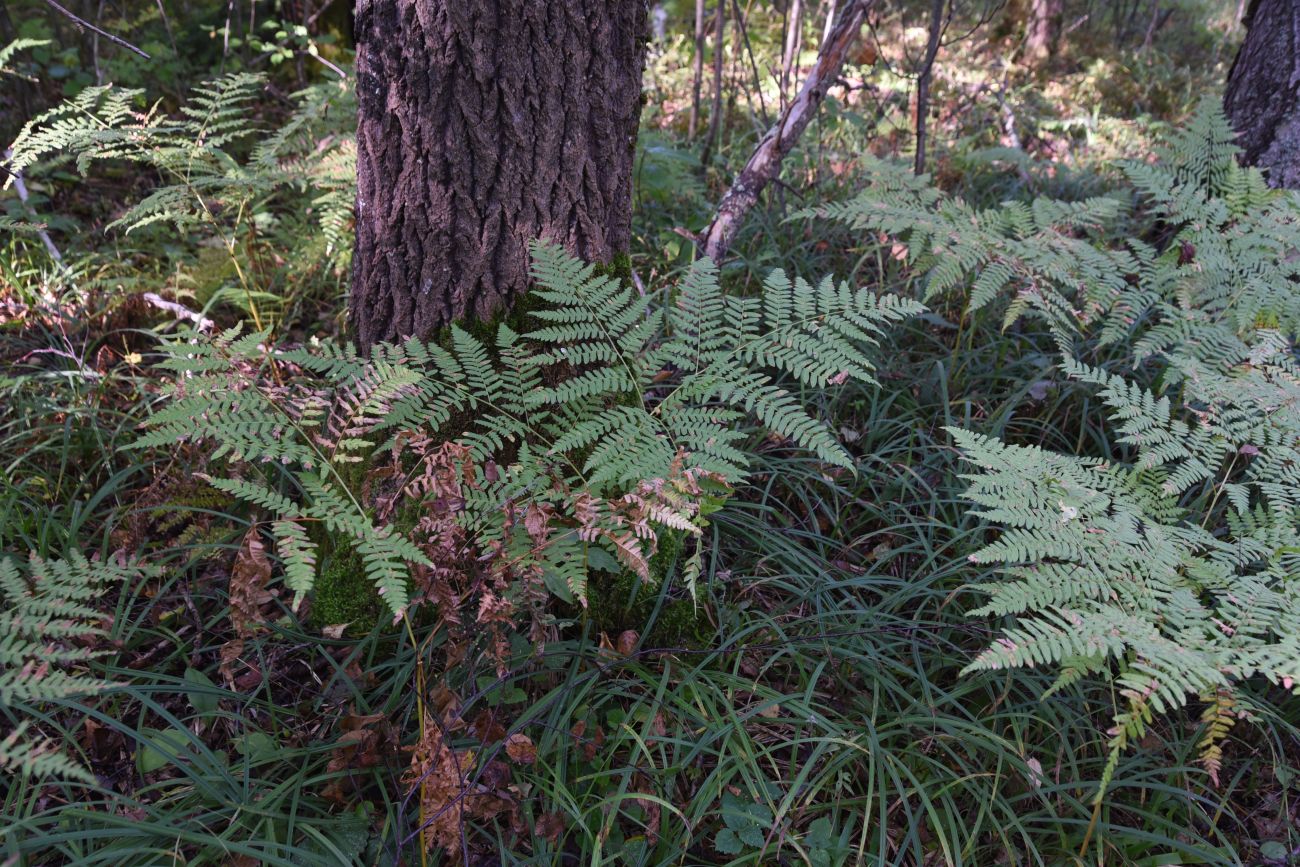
(1043, 27)
(697, 72)
(1263, 96)
(925, 78)
(793, 43)
(715, 115)
(483, 124)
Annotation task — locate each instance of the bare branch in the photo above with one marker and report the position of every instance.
(86, 25)
(765, 163)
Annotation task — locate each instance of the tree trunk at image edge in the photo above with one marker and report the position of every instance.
(483, 124)
(1263, 95)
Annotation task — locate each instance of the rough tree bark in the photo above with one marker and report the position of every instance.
(1042, 28)
(483, 124)
(1263, 94)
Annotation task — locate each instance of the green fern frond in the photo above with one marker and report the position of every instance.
(612, 392)
(48, 630)
(298, 555)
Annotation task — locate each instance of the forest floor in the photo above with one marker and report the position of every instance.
(807, 706)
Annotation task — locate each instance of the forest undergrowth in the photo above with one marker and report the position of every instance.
(726, 582)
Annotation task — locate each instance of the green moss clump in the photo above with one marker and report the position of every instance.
(616, 603)
(620, 268)
(521, 308)
(343, 593)
(485, 330)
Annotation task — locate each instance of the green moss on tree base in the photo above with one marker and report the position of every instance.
(620, 268)
(343, 594)
(517, 317)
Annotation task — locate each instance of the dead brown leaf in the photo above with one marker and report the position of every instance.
(231, 651)
(367, 740)
(521, 749)
(627, 641)
(249, 577)
(549, 826)
(447, 797)
(486, 728)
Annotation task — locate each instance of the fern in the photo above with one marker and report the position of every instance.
(47, 630)
(207, 189)
(1176, 573)
(614, 416)
(1223, 267)
(8, 52)
(1042, 254)
(1167, 567)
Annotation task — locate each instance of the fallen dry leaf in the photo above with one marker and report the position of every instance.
(249, 576)
(627, 641)
(366, 741)
(231, 651)
(549, 826)
(446, 795)
(521, 749)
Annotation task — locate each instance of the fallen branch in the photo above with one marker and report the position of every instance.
(180, 311)
(765, 163)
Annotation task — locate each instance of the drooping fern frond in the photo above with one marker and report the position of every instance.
(206, 187)
(1043, 253)
(48, 630)
(8, 52)
(1223, 263)
(85, 126)
(613, 416)
(103, 123)
(1175, 575)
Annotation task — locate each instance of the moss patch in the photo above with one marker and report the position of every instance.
(620, 268)
(616, 603)
(343, 594)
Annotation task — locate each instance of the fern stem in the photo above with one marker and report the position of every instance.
(1218, 492)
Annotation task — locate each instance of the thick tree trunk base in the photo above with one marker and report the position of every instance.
(484, 124)
(1263, 94)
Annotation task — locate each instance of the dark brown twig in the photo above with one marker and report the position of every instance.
(86, 25)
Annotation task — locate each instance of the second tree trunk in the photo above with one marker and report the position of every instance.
(1263, 93)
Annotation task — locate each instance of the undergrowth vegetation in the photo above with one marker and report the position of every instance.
(954, 520)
